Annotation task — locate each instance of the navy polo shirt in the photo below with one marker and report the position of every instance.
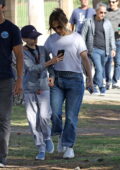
(9, 37)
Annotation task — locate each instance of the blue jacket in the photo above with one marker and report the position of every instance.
(88, 35)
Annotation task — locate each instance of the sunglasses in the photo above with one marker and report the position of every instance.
(102, 12)
(112, 2)
(59, 27)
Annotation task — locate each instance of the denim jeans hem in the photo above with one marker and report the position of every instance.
(68, 144)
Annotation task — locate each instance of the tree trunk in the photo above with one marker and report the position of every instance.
(95, 3)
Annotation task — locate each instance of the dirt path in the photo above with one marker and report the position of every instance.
(111, 95)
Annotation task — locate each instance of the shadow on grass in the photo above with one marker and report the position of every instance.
(97, 146)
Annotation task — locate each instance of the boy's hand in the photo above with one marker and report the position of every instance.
(57, 59)
(38, 91)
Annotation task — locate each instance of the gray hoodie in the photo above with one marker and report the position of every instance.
(36, 75)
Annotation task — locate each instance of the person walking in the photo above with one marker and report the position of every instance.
(113, 14)
(36, 89)
(99, 36)
(10, 40)
(69, 85)
(80, 14)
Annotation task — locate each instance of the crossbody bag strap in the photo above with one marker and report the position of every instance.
(36, 56)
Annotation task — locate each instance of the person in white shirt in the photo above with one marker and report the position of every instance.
(69, 84)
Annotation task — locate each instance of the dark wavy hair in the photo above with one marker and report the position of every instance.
(3, 2)
(59, 16)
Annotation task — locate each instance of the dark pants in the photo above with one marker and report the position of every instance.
(116, 75)
(108, 66)
(5, 112)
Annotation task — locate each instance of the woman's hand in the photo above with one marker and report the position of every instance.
(89, 85)
(39, 91)
(51, 82)
(113, 53)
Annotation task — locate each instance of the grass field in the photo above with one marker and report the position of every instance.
(97, 146)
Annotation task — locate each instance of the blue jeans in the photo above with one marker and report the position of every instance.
(108, 67)
(99, 59)
(116, 75)
(5, 113)
(108, 70)
(70, 90)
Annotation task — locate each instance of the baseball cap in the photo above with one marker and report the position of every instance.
(29, 31)
(2, 2)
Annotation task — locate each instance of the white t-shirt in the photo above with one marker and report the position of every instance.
(73, 44)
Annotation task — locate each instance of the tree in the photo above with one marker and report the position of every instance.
(95, 3)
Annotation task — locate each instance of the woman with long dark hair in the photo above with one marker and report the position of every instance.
(69, 85)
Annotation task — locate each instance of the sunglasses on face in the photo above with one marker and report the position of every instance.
(112, 2)
(59, 27)
(102, 12)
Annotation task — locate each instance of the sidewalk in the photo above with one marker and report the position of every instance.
(111, 95)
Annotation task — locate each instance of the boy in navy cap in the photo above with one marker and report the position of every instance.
(36, 89)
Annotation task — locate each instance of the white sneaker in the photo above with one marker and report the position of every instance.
(102, 91)
(108, 86)
(2, 165)
(96, 90)
(69, 153)
(60, 148)
(116, 86)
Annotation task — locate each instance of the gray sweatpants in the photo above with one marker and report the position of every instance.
(6, 99)
(38, 112)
